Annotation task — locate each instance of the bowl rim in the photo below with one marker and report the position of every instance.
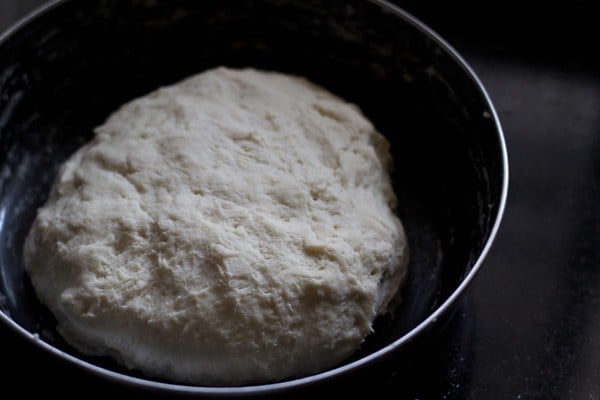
(271, 388)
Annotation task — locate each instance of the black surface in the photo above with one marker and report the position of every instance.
(529, 328)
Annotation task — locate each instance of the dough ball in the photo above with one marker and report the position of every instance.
(233, 228)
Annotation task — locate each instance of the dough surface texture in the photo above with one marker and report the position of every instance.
(236, 227)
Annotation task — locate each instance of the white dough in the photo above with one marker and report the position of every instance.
(234, 228)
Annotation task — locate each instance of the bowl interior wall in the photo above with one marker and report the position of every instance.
(63, 73)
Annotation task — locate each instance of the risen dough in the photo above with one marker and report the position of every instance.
(234, 228)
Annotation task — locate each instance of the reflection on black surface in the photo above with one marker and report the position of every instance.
(536, 329)
(577, 306)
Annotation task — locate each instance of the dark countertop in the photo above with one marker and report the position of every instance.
(529, 327)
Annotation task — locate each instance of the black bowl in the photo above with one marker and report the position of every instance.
(64, 68)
